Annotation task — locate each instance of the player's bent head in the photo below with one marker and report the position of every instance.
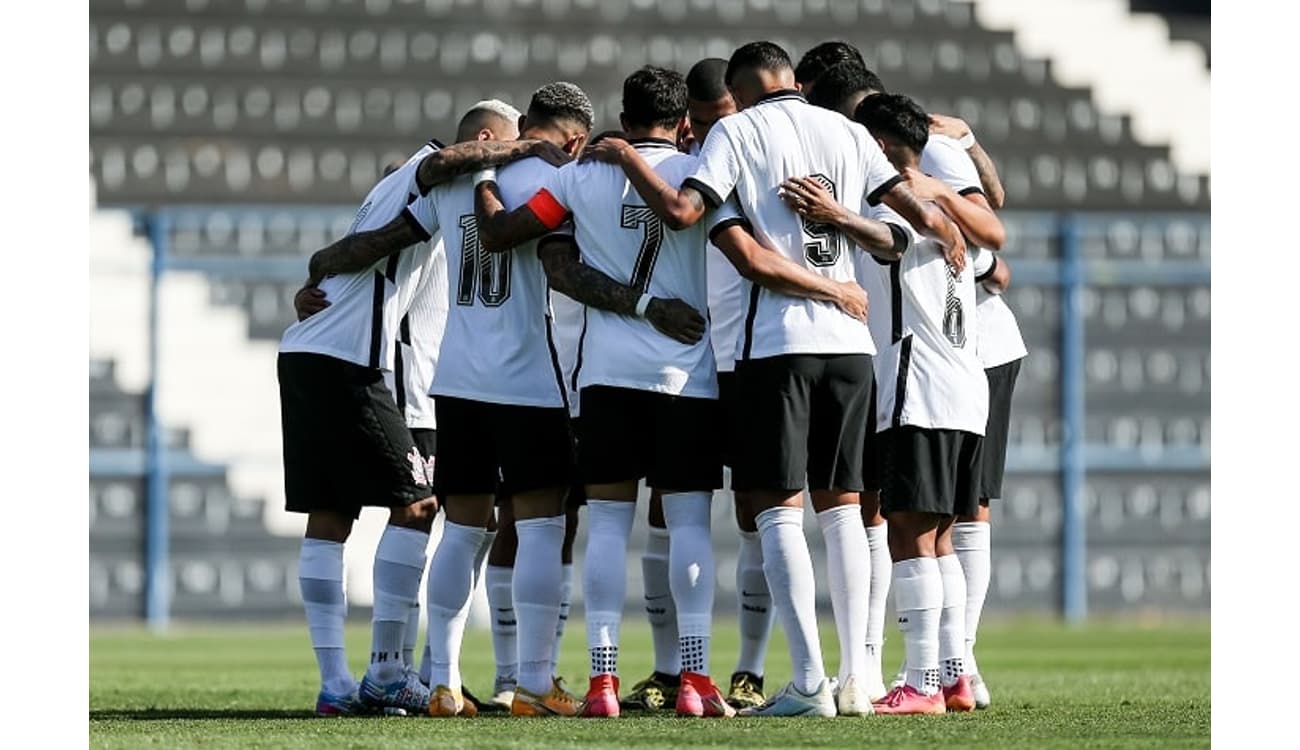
(562, 110)
(707, 97)
(654, 98)
(900, 125)
(756, 69)
(488, 120)
(822, 58)
(843, 87)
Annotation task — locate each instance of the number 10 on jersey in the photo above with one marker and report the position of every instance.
(490, 272)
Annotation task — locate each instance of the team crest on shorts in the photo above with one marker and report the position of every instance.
(421, 470)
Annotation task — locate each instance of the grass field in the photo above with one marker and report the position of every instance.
(1106, 686)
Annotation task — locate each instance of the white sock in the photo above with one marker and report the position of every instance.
(789, 571)
(972, 542)
(660, 609)
(604, 579)
(411, 635)
(918, 599)
(537, 598)
(754, 605)
(399, 565)
(320, 579)
(952, 621)
(501, 600)
(881, 569)
(691, 574)
(566, 599)
(848, 567)
(451, 580)
(426, 664)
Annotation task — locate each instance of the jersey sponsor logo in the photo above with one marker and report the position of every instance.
(488, 272)
(825, 243)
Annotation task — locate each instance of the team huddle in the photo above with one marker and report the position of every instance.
(781, 270)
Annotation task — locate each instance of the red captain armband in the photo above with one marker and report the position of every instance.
(547, 209)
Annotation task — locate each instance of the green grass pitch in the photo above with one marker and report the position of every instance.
(1104, 686)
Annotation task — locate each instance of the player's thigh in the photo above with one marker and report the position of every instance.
(314, 414)
(388, 467)
(686, 455)
(923, 469)
(969, 465)
(772, 439)
(536, 450)
(467, 460)
(837, 434)
(729, 414)
(615, 435)
(1002, 380)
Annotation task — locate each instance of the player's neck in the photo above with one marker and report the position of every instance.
(659, 134)
(542, 133)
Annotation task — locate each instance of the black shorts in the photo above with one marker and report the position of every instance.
(729, 403)
(803, 422)
(346, 445)
(426, 442)
(1002, 381)
(501, 449)
(929, 471)
(671, 441)
(871, 446)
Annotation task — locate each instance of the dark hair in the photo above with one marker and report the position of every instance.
(654, 97)
(757, 56)
(823, 57)
(561, 101)
(842, 81)
(895, 116)
(707, 80)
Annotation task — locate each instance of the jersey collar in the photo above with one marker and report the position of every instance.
(780, 95)
(652, 142)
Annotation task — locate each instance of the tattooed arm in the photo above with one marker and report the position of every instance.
(361, 250)
(568, 275)
(930, 221)
(500, 230)
(810, 199)
(956, 128)
(679, 208)
(463, 158)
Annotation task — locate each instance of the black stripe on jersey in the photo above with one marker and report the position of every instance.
(970, 190)
(376, 319)
(735, 221)
(437, 143)
(754, 291)
(652, 142)
(415, 225)
(989, 272)
(555, 363)
(900, 385)
(390, 271)
(901, 238)
(404, 330)
(399, 378)
(873, 198)
(710, 196)
(582, 341)
(896, 300)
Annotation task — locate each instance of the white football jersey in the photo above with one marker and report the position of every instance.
(751, 153)
(360, 325)
(497, 344)
(726, 302)
(618, 235)
(997, 335)
(419, 337)
(568, 322)
(927, 372)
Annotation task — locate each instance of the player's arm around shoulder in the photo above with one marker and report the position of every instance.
(971, 211)
(360, 250)
(500, 230)
(678, 208)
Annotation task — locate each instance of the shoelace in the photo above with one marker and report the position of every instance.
(894, 698)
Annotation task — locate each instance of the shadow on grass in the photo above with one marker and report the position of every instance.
(166, 714)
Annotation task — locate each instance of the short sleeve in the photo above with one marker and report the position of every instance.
(422, 215)
(726, 215)
(719, 169)
(881, 175)
(945, 160)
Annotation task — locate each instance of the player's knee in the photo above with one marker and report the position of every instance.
(745, 519)
(331, 527)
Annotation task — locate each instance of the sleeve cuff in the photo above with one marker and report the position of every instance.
(547, 209)
(873, 198)
(900, 236)
(735, 221)
(710, 195)
(989, 272)
(970, 191)
(415, 224)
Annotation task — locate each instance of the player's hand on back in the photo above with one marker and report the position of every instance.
(551, 153)
(308, 301)
(676, 320)
(811, 200)
(953, 127)
(606, 147)
(852, 300)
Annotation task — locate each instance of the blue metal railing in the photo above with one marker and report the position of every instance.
(1071, 273)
